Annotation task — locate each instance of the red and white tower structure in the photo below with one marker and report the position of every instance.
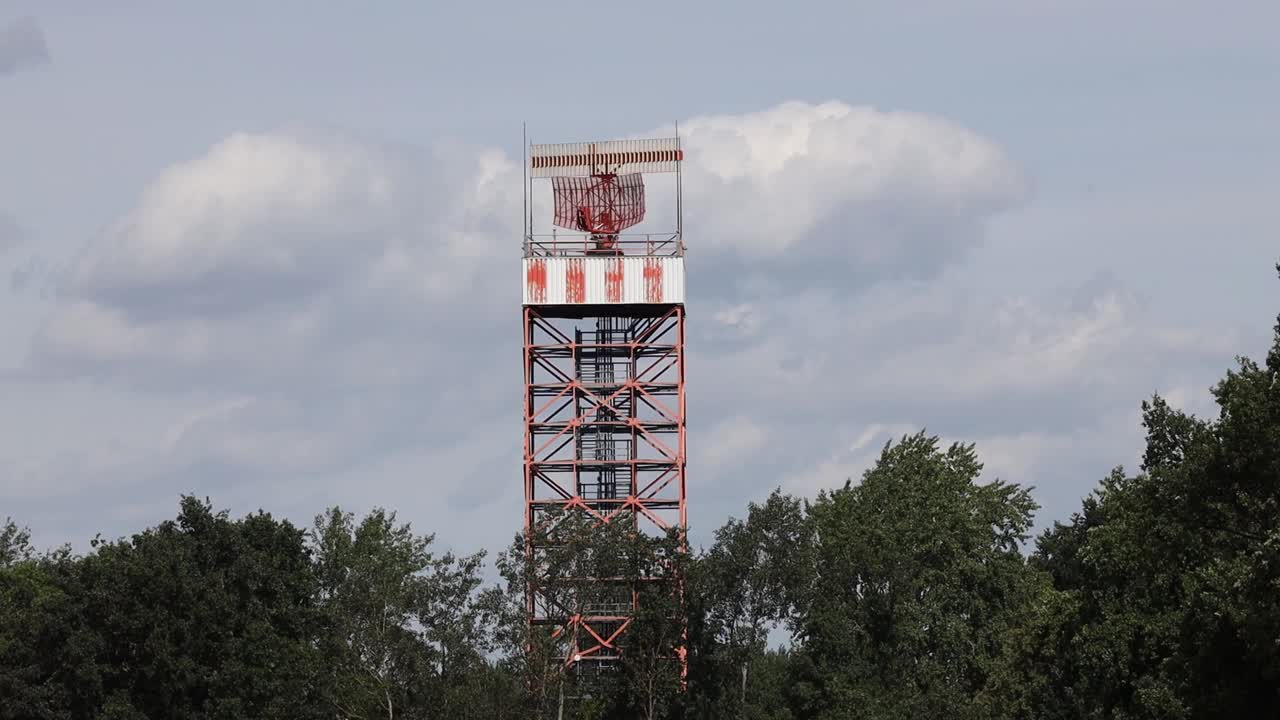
(604, 362)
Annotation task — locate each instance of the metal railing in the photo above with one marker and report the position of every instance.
(572, 244)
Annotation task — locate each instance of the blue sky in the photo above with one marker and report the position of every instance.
(233, 237)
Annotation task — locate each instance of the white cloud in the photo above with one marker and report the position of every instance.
(22, 45)
(280, 251)
(262, 217)
(1061, 466)
(310, 318)
(1048, 388)
(1195, 400)
(832, 193)
(730, 442)
(67, 438)
(740, 317)
(286, 261)
(847, 462)
(276, 249)
(954, 347)
(10, 233)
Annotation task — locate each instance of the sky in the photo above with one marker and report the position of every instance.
(267, 253)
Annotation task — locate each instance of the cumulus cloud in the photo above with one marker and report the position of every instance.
(803, 194)
(22, 45)
(1047, 387)
(291, 215)
(731, 442)
(1061, 465)
(318, 313)
(312, 299)
(943, 348)
(846, 462)
(10, 232)
(288, 250)
(297, 248)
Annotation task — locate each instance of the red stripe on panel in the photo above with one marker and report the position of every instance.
(536, 280)
(652, 280)
(575, 282)
(613, 281)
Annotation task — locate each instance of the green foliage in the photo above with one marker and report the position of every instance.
(747, 584)
(1167, 582)
(403, 630)
(526, 655)
(918, 579)
(205, 617)
(650, 646)
(29, 597)
(15, 544)
(574, 551)
(200, 617)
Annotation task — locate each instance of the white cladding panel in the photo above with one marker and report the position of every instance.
(603, 280)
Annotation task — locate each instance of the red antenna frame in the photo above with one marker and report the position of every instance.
(603, 204)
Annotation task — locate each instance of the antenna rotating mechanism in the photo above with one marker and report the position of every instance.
(598, 187)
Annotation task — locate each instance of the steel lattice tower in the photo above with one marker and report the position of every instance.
(604, 366)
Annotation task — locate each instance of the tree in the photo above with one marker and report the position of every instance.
(749, 579)
(576, 567)
(403, 629)
(582, 567)
(1167, 583)
(527, 654)
(199, 617)
(653, 641)
(15, 544)
(29, 602)
(918, 579)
